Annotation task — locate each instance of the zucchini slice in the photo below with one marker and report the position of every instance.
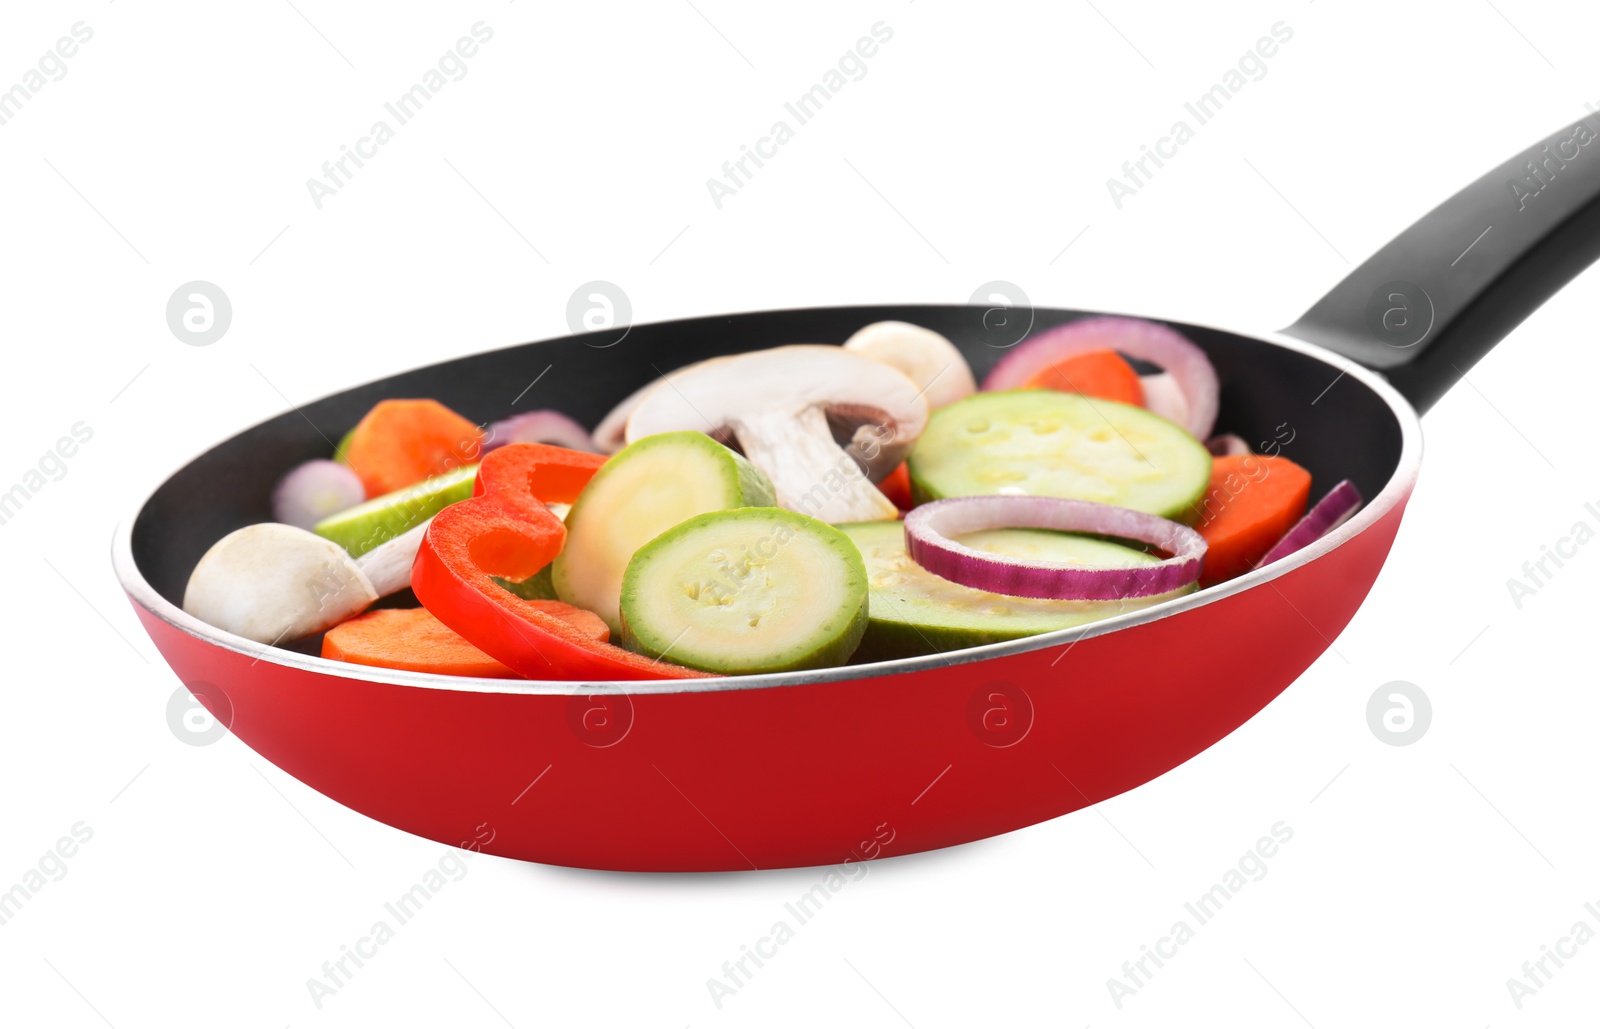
(643, 491)
(1048, 444)
(747, 591)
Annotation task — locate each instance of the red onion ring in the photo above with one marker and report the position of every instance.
(1227, 445)
(315, 490)
(929, 529)
(1163, 396)
(1325, 516)
(551, 427)
(1135, 337)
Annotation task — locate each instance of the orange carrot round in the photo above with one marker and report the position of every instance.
(401, 442)
(409, 639)
(1250, 503)
(416, 641)
(1094, 373)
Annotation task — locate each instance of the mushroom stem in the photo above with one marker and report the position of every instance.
(810, 473)
(388, 565)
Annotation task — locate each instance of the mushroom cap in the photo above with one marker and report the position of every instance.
(611, 435)
(873, 410)
(274, 583)
(927, 359)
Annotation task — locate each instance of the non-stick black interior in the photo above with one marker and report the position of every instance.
(1268, 393)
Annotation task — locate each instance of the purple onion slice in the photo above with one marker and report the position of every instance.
(930, 528)
(314, 491)
(1163, 396)
(540, 427)
(1227, 445)
(1325, 516)
(1135, 337)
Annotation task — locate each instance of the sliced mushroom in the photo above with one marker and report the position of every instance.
(789, 409)
(611, 435)
(926, 358)
(275, 583)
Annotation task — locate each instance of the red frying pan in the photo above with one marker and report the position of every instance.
(818, 767)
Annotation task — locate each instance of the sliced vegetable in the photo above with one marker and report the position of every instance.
(1325, 516)
(1227, 445)
(410, 639)
(388, 565)
(535, 587)
(643, 491)
(1163, 396)
(930, 528)
(538, 474)
(538, 586)
(897, 487)
(742, 592)
(551, 427)
(1044, 443)
(1135, 337)
(913, 612)
(507, 532)
(1250, 504)
(787, 407)
(360, 528)
(926, 358)
(343, 445)
(1094, 373)
(402, 442)
(314, 491)
(611, 435)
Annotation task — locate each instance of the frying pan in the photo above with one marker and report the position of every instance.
(900, 756)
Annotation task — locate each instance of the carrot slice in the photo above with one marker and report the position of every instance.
(409, 639)
(1251, 502)
(401, 442)
(416, 641)
(585, 621)
(1094, 373)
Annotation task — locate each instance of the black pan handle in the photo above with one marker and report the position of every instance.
(1425, 308)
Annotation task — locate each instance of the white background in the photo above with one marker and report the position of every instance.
(177, 147)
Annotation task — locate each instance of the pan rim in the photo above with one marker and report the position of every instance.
(1398, 487)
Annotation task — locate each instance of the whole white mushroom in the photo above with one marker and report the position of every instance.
(922, 355)
(275, 583)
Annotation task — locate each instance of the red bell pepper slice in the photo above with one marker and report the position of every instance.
(505, 530)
